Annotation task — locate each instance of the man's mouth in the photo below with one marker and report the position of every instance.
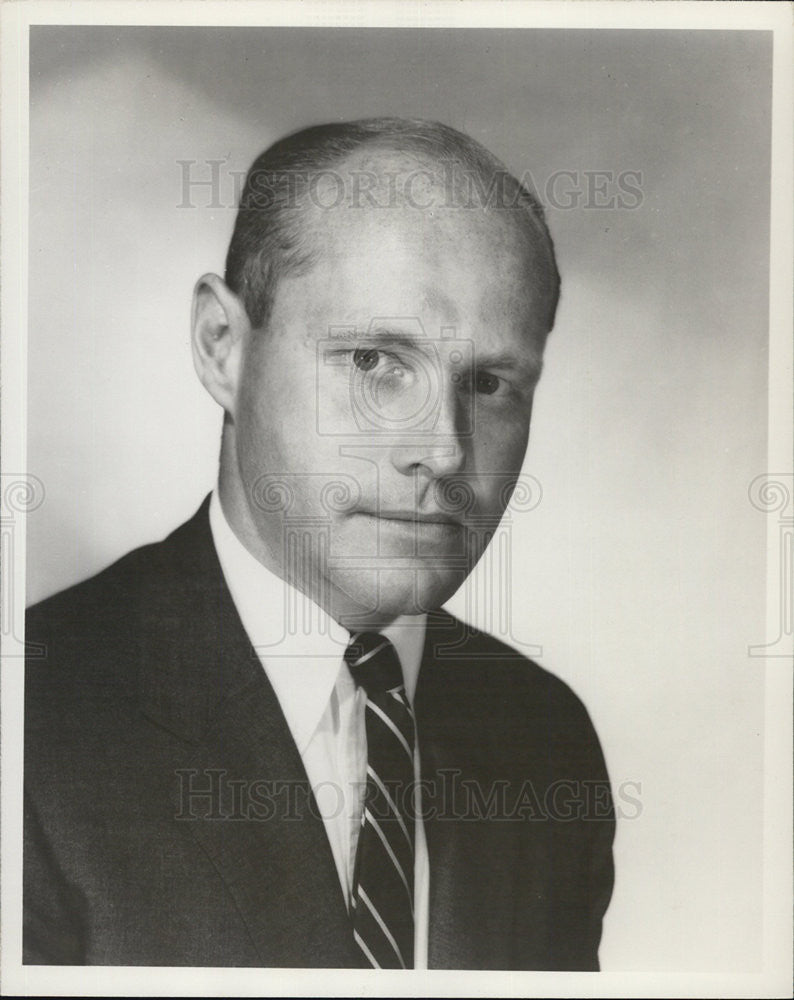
(432, 521)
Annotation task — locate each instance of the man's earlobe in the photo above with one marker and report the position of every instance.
(219, 327)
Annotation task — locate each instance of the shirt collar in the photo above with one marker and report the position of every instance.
(300, 646)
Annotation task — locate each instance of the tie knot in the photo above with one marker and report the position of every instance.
(374, 663)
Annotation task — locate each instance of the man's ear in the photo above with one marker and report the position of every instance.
(220, 326)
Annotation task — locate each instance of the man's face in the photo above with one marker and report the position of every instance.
(383, 416)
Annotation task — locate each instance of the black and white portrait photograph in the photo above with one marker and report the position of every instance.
(397, 499)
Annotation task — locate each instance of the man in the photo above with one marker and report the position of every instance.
(260, 742)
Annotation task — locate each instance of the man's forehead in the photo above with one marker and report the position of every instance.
(380, 189)
(438, 233)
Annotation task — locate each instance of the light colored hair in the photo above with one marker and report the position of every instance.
(271, 238)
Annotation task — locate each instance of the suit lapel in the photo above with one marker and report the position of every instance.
(201, 680)
(270, 846)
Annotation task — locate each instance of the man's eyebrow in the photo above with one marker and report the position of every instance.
(393, 335)
(528, 367)
(375, 335)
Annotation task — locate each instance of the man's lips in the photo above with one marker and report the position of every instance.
(407, 518)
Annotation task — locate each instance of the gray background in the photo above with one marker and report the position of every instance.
(641, 572)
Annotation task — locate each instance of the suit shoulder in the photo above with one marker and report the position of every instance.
(88, 642)
(492, 662)
(109, 592)
(489, 679)
(82, 644)
(531, 676)
(481, 693)
(98, 592)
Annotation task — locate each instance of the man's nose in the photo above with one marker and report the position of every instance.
(437, 447)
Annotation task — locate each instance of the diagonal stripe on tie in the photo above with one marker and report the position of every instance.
(383, 882)
(364, 947)
(390, 853)
(379, 919)
(392, 805)
(390, 724)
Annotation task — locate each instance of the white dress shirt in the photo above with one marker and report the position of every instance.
(301, 649)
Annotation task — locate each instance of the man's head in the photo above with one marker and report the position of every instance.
(375, 346)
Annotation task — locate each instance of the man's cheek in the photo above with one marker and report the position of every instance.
(497, 458)
(506, 453)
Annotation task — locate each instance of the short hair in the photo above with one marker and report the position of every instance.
(271, 237)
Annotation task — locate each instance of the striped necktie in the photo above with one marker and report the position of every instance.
(383, 880)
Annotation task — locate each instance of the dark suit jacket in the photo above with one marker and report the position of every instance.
(168, 818)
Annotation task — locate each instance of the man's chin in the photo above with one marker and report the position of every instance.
(378, 596)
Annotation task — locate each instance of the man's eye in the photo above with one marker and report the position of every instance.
(365, 359)
(487, 383)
